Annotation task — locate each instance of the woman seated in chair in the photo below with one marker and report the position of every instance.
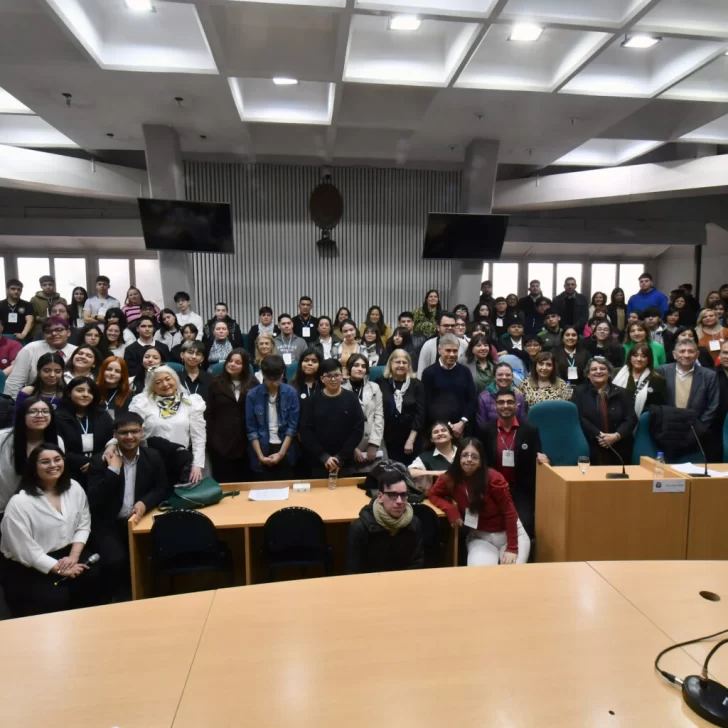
(641, 381)
(473, 495)
(606, 413)
(502, 381)
(44, 534)
(543, 384)
(48, 384)
(436, 459)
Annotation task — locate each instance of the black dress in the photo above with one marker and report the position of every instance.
(398, 425)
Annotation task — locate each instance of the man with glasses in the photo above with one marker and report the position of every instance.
(332, 424)
(271, 420)
(387, 536)
(446, 324)
(122, 487)
(56, 333)
(194, 379)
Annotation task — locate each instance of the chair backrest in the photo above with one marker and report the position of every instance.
(375, 373)
(181, 532)
(291, 371)
(217, 368)
(562, 438)
(644, 445)
(3, 379)
(430, 524)
(245, 342)
(294, 528)
(177, 367)
(725, 440)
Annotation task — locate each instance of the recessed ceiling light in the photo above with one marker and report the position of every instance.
(526, 32)
(404, 22)
(145, 6)
(640, 40)
(284, 81)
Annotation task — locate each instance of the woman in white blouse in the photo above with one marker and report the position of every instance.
(44, 534)
(171, 412)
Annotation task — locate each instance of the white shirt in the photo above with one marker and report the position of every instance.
(33, 527)
(25, 367)
(130, 469)
(684, 375)
(99, 306)
(273, 421)
(517, 344)
(326, 346)
(167, 337)
(191, 318)
(417, 463)
(186, 427)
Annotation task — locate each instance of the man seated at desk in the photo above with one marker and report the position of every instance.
(387, 536)
(123, 486)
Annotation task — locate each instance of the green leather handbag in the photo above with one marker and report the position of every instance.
(200, 495)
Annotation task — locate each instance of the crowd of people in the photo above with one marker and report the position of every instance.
(110, 403)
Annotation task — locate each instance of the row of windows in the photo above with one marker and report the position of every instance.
(604, 277)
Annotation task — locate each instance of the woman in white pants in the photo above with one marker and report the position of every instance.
(474, 496)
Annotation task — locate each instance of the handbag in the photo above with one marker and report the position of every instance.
(200, 495)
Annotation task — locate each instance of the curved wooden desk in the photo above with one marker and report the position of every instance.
(520, 646)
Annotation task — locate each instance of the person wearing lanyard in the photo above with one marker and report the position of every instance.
(513, 448)
(194, 379)
(16, 315)
(305, 325)
(83, 425)
(114, 390)
(289, 345)
(711, 333)
(48, 385)
(571, 357)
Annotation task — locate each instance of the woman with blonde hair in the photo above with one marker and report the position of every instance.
(711, 333)
(265, 345)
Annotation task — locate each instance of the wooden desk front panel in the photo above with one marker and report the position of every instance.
(708, 526)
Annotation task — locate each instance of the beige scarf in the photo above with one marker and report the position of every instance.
(393, 525)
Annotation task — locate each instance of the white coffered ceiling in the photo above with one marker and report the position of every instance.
(366, 93)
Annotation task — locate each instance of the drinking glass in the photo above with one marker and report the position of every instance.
(583, 463)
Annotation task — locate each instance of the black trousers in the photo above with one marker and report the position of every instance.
(229, 470)
(111, 541)
(30, 592)
(283, 471)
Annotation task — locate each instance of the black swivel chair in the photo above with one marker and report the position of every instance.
(430, 533)
(186, 542)
(295, 536)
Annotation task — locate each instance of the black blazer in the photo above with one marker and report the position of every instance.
(100, 425)
(614, 318)
(134, 353)
(613, 352)
(226, 430)
(106, 488)
(581, 357)
(398, 425)
(621, 418)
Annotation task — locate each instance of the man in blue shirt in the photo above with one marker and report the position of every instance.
(647, 296)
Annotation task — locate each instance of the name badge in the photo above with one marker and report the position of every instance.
(668, 485)
(12, 318)
(572, 373)
(287, 359)
(306, 332)
(509, 459)
(471, 519)
(714, 345)
(87, 442)
(499, 322)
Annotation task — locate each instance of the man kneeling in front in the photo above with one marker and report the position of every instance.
(387, 536)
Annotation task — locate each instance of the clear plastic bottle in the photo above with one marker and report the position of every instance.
(659, 466)
(333, 478)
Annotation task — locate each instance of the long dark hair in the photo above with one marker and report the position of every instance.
(377, 341)
(97, 358)
(478, 481)
(477, 339)
(426, 307)
(75, 310)
(102, 347)
(67, 402)
(29, 479)
(245, 377)
(406, 337)
(116, 313)
(612, 302)
(164, 326)
(299, 380)
(20, 432)
(46, 359)
(380, 326)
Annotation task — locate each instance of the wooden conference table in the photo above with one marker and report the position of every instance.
(240, 523)
(568, 644)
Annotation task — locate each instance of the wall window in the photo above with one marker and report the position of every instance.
(3, 278)
(117, 271)
(148, 279)
(568, 270)
(69, 273)
(505, 279)
(29, 271)
(629, 274)
(603, 278)
(486, 272)
(544, 273)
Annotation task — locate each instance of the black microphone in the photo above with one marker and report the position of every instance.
(617, 476)
(94, 558)
(706, 474)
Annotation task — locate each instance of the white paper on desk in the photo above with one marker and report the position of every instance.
(692, 469)
(268, 494)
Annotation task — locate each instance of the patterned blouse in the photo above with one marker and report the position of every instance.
(534, 394)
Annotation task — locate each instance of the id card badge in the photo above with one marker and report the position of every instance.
(12, 318)
(87, 442)
(499, 322)
(714, 344)
(572, 373)
(287, 359)
(306, 332)
(509, 459)
(471, 519)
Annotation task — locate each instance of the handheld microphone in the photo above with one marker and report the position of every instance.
(93, 559)
(618, 476)
(706, 474)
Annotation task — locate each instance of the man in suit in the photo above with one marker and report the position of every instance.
(527, 304)
(513, 448)
(691, 387)
(572, 306)
(134, 353)
(122, 487)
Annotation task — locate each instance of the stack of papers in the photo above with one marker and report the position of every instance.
(692, 469)
(268, 494)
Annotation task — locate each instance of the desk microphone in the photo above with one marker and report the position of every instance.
(706, 474)
(94, 558)
(617, 476)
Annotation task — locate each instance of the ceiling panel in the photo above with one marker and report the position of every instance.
(708, 17)
(394, 107)
(612, 13)
(606, 152)
(30, 131)
(455, 8)
(708, 84)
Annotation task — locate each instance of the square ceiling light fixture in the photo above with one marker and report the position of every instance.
(404, 22)
(285, 81)
(640, 40)
(140, 6)
(526, 32)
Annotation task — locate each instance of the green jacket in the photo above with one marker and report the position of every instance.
(42, 305)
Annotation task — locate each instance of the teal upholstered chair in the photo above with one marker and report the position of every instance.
(2, 382)
(562, 438)
(245, 342)
(375, 373)
(291, 371)
(177, 367)
(645, 446)
(217, 368)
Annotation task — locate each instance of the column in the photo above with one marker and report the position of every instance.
(166, 182)
(479, 177)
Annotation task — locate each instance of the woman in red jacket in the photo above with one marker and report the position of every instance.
(482, 502)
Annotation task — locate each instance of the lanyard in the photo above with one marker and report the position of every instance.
(110, 399)
(187, 386)
(512, 434)
(84, 425)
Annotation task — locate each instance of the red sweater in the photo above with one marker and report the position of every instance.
(498, 514)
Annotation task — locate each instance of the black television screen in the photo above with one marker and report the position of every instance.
(464, 235)
(190, 227)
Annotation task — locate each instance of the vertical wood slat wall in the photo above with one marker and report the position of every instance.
(379, 239)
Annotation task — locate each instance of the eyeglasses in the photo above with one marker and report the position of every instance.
(55, 331)
(333, 377)
(447, 326)
(396, 496)
(128, 433)
(39, 413)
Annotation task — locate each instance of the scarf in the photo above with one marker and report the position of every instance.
(219, 350)
(168, 406)
(266, 329)
(641, 389)
(387, 522)
(399, 393)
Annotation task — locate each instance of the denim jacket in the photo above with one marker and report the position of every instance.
(256, 420)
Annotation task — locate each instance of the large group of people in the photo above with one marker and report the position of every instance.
(115, 402)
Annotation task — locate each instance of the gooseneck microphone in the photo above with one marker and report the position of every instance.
(617, 476)
(706, 474)
(93, 559)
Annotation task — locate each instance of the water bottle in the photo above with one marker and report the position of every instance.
(333, 478)
(659, 466)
